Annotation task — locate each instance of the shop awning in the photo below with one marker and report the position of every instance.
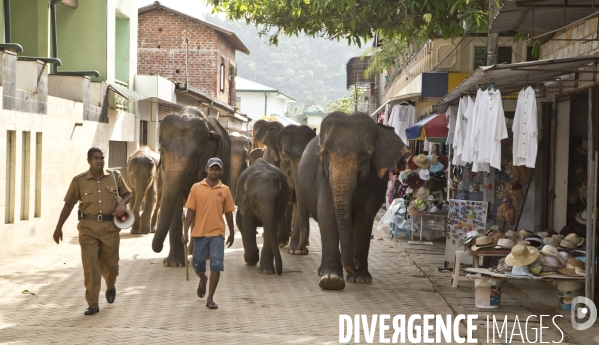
(511, 78)
(432, 128)
(395, 100)
(125, 92)
(541, 18)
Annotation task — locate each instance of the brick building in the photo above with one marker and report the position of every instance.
(211, 67)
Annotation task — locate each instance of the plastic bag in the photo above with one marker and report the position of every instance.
(392, 210)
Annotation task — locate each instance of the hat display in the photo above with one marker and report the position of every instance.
(577, 252)
(520, 272)
(433, 159)
(542, 234)
(482, 242)
(421, 161)
(579, 241)
(414, 181)
(436, 166)
(471, 236)
(443, 160)
(552, 261)
(522, 256)
(558, 237)
(565, 244)
(405, 174)
(504, 243)
(535, 240)
(439, 176)
(581, 217)
(571, 266)
(514, 236)
(564, 255)
(550, 241)
(424, 174)
(422, 193)
(525, 233)
(493, 228)
(524, 243)
(411, 164)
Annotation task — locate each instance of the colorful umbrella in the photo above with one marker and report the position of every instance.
(433, 128)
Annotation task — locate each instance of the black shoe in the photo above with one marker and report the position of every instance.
(110, 295)
(91, 311)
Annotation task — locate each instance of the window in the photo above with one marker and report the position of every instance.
(143, 132)
(238, 102)
(504, 55)
(222, 77)
(38, 175)
(11, 143)
(122, 35)
(117, 155)
(25, 174)
(529, 55)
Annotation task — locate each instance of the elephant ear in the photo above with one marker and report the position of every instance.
(387, 150)
(272, 142)
(214, 136)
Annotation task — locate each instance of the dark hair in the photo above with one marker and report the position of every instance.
(91, 151)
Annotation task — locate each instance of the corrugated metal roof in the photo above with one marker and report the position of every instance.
(512, 77)
(355, 71)
(548, 15)
(125, 92)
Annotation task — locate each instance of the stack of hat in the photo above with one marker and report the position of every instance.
(471, 237)
(520, 258)
(482, 242)
(571, 241)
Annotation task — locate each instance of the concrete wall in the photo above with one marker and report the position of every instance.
(252, 104)
(562, 49)
(161, 51)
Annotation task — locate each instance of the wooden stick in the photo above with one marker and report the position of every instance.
(185, 250)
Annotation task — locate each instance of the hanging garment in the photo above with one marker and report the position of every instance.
(525, 129)
(452, 114)
(402, 117)
(490, 129)
(469, 137)
(460, 130)
(386, 115)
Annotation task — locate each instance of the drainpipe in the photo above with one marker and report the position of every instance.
(185, 87)
(54, 32)
(265, 104)
(6, 21)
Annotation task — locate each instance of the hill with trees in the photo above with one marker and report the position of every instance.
(312, 70)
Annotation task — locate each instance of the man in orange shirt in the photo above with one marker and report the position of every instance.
(207, 202)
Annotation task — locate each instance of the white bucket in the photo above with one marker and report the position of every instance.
(567, 291)
(487, 293)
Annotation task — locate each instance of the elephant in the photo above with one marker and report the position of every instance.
(286, 147)
(142, 178)
(240, 146)
(255, 154)
(262, 197)
(187, 140)
(261, 127)
(342, 182)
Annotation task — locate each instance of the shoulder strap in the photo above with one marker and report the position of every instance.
(118, 197)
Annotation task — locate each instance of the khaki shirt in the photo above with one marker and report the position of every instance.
(97, 197)
(210, 204)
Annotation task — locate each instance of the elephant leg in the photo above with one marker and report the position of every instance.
(331, 268)
(284, 229)
(301, 220)
(362, 230)
(251, 253)
(146, 216)
(267, 256)
(176, 255)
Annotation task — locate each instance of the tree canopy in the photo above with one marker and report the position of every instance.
(356, 21)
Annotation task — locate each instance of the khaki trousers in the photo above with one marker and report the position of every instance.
(100, 256)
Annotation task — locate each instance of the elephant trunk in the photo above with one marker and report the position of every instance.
(271, 222)
(343, 182)
(172, 182)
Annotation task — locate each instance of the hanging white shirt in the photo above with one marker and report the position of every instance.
(525, 129)
(386, 115)
(490, 129)
(402, 117)
(471, 115)
(460, 130)
(452, 114)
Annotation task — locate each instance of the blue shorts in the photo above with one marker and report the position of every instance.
(204, 245)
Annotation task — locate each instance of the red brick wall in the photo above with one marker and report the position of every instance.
(161, 51)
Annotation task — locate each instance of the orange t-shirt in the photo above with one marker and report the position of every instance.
(210, 204)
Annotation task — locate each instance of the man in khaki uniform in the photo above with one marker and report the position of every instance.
(98, 236)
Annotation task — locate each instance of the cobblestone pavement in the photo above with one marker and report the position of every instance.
(155, 305)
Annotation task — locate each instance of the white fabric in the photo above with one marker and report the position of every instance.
(489, 129)
(460, 131)
(452, 114)
(402, 117)
(468, 151)
(386, 115)
(525, 129)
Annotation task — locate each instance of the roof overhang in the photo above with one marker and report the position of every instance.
(511, 78)
(396, 100)
(201, 96)
(542, 18)
(355, 69)
(125, 92)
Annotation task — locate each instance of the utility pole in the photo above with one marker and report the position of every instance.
(492, 39)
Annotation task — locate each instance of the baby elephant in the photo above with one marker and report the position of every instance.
(262, 196)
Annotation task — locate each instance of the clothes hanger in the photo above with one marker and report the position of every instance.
(492, 85)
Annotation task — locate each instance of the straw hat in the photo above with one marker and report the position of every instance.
(521, 256)
(482, 242)
(565, 244)
(571, 267)
(422, 193)
(471, 236)
(558, 237)
(525, 233)
(504, 243)
(421, 161)
(579, 241)
(550, 241)
(542, 234)
(535, 241)
(424, 174)
(581, 217)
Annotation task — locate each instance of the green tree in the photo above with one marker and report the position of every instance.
(411, 21)
(347, 103)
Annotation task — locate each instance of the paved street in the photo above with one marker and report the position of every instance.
(155, 304)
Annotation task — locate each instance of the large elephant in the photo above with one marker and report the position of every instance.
(255, 154)
(286, 147)
(262, 197)
(240, 150)
(259, 131)
(342, 183)
(186, 142)
(142, 178)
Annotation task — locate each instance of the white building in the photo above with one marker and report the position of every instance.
(258, 101)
